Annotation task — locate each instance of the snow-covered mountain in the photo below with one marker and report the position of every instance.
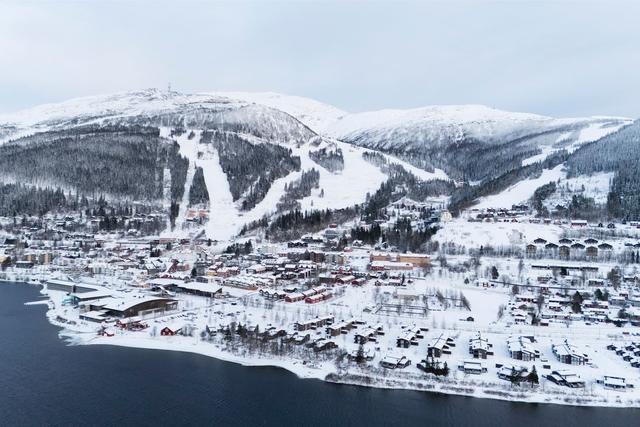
(391, 130)
(438, 125)
(156, 107)
(495, 140)
(160, 148)
(258, 154)
(439, 136)
(318, 116)
(431, 125)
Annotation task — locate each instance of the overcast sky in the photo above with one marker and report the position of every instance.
(559, 58)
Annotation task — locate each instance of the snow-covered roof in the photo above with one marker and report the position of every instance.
(128, 302)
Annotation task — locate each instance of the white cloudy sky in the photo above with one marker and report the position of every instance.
(558, 58)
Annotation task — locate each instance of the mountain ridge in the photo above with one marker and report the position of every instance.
(247, 156)
(321, 117)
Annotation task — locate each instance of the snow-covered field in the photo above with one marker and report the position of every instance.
(476, 234)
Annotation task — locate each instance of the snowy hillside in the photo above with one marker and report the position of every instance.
(572, 140)
(155, 107)
(251, 151)
(394, 128)
(316, 115)
(414, 128)
(520, 192)
(142, 102)
(336, 190)
(245, 156)
(411, 129)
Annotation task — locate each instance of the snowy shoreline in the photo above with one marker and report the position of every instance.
(327, 370)
(357, 378)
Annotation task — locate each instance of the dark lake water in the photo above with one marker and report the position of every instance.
(45, 382)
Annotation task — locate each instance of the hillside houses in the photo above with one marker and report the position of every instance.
(369, 334)
(566, 378)
(343, 327)
(472, 367)
(380, 261)
(322, 344)
(614, 383)
(513, 373)
(395, 362)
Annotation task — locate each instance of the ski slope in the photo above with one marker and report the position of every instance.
(594, 132)
(189, 150)
(224, 217)
(572, 142)
(522, 191)
(342, 189)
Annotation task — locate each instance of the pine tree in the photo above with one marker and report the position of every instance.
(533, 376)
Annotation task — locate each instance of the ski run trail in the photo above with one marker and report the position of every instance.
(224, 217)
(336, 190)
(188, 149)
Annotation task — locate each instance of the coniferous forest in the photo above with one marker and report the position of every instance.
(331, 160)
(252, 168)
(619, 153)
(298, 189)
(198, 193)
(118, 161)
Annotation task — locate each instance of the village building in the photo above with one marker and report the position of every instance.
(566, 378)
(614, 383)
(440, 346)
(568, 353)
(395, 362)
(409, 337)
(479, 347)
(472, 367)
(522, 348)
